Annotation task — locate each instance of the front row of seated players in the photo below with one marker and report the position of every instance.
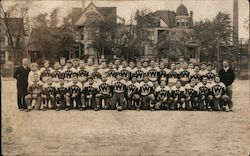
(120, 94)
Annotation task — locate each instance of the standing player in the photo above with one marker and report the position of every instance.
(75, 88)
(35, 89)
(133, 93)
(33, 70)
(178, 93)
(196, 75)
(163, 98)
(172, 75)
(95, 73)
(48, 94)
(192, 95)
(56, 73)
(146, 89)
(204, 91)
(68, 72)
(190, 68)
(210, 73)
(62, 63)
(104, 93)
(118, 94)
(124, 70)
(111, 73)
(162, 73)
(184, 74)
(203, 71)
(45, 71)
(153, 73)
(82, 73)
(139, 72)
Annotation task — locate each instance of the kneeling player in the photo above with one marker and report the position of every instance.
(49, 94)
(221, 100)
(179, 98)
(148, 98)
(133, 93)
(192, 95)
(88, 94)
(74, 94)
(104, 93)
(118, 93)
(163, 96)
(204, 92)
(35, 90)
(61, 91)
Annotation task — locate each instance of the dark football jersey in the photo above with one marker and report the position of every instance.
(178, 92)
(196, 76)
(90, 89)
(82, 73)
(162, 73)
(96, 75)
(111, 73)
(191, 91)
(124, 73)
(133, 88)
(210, 76)
(75, 89)
(104, 87)
(204, 89)
(46, 72)
(162, 93)
(218, 89)
(61, 89)
(146, 88)
(119, 86)
(68, 73)
(139, 74)
(153, 74)
(56, 74)
(184, 74)
(172, 74)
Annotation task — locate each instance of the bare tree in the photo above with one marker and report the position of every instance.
(23, 28)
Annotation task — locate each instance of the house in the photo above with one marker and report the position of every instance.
(16, 29)
(85, 35)
(164, 23)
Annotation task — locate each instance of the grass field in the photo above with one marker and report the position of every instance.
(173, 133)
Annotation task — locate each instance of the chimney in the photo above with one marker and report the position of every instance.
(83, 5)
(235, 23)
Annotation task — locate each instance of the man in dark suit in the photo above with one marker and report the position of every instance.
(227, 76)
(21, 75)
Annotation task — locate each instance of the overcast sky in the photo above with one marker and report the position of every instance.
(201, 8)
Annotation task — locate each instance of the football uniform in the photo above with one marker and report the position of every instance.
(152, 74)
(178, 95)
(162, 73)
(104, 94)
(204, 90)
(118, 93)
(82, 74)
(218, 90)
(203, 73)
(61, 89)
(35, 89)
(67, 74)
(195, 76)
(133, 97)
(211, 75)
(49, 95)
(56, 74)
(192, 97)
(45, 73)
(139, 74)
(172, 77)
(148, 98)
(88, 95)
(75, 94)
(96, 76)
(184, 77)
(111, 74)
(163, 97)
(125, 73)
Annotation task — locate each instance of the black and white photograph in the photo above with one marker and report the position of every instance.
(125, 77)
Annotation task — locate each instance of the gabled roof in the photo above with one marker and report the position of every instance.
(167, 16)
(104, 11)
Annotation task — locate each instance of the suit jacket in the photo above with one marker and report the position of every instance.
(21, 75)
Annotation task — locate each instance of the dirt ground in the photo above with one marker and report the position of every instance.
(172, 133)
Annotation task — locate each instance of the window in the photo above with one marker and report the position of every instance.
(187, 24)
(178, 23)
(182, 24)
(82, 36)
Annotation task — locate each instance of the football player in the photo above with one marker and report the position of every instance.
(153, 73)
(89, 92)
(190, 68)
(192, 95)
(210, 73)
(204, 92)
(118, 94)
(178, 93)
(111, 73)
(147, 93)
(35, 89)
(124, 70)
(61, 89)
(56, 73)
(48, 94)
(82, 73)
(103, 68)
(89, 67)
(139, 72)
(163, 98)
(184, 74)
(45, 71)
(203, 70)
(68, 72)
(133, 93)
(196, 75)
(74, 93)
(33, 70)
(62, 63)
(172, 75)
(104, 93)
(95, 73)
